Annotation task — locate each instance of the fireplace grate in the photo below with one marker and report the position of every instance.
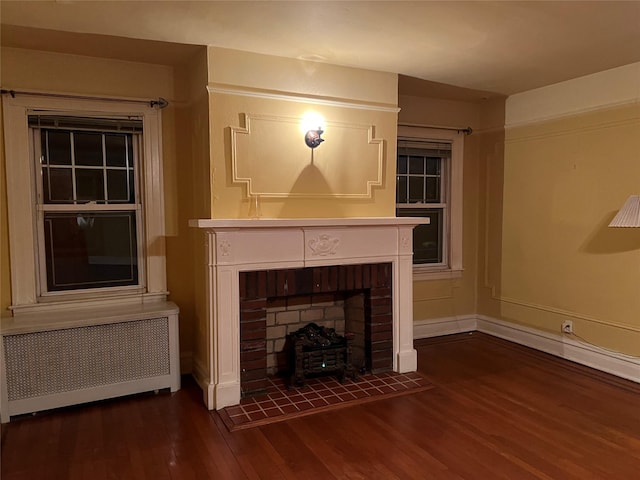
(318, 351)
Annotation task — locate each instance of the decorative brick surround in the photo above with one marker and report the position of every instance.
(374, 280)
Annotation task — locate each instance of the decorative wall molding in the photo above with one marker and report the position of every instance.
(615, 363)
(244, 168)
(305, 99)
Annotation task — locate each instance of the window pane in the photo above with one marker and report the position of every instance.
(401, 189)
(427, 239)
(116, 150)
(90, 250)
(433, 166)
(433, 190)
(402, 164)
(416, 165)
(88, 148)
(119, 186)
(89, 184)
(416, 189)
(57, 186)
(56, 147)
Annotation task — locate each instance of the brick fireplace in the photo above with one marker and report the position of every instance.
(252, 262)
(369, 285)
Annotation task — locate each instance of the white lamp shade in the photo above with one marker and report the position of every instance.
(629, 214)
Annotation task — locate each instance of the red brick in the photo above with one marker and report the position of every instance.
(277, 302)
(375, 337)
(366, 276)
(384, 318)
(247, 316)
(258, 364)
(249, 375)
(251, 345)
(380, 292)
(254, 304)
(242, 285)
(250, 355)
(255, 334)
(381, 345)
(381, 327)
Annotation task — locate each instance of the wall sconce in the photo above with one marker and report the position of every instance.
(629, 214)
(312, 125)
(312, 138)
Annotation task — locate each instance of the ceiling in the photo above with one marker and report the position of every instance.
(502, 47)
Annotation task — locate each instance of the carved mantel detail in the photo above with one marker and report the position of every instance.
(324, 245)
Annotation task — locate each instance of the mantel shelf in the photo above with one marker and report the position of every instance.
(259, 223)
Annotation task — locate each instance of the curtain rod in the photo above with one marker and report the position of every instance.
(466, 131)
(160, 102)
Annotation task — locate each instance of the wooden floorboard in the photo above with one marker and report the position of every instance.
(497, 411)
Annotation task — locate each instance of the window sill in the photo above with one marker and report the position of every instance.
(115, 301)
(421, 273)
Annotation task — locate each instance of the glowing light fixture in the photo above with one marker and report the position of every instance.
(312, 125)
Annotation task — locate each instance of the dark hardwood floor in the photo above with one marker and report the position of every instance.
(498, 411)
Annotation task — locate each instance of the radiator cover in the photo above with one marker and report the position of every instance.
(57, 367)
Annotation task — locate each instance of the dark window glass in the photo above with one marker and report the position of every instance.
(433, 165)
(401, 189)
(90, 250)
(88, 148)
(433, 190)
(427, 243)
(118, 186)
(416, 165)
(116, 150)
(89, 185)
(57, 185)
(56, 147)
(416, 189)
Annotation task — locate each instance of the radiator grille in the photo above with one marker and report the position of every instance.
(55, 361)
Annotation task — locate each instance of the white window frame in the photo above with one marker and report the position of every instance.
(451, 267)
(26, 295)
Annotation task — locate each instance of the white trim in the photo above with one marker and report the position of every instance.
(444, 326)
(426, 272)
(453, 211)
(301, 99)
(618, 364)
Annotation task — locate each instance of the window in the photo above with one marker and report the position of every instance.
(85, 202)
(429, 184)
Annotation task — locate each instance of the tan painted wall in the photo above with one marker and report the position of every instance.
(555, 258)
(185, 247)
(271, 159)
(436, 299)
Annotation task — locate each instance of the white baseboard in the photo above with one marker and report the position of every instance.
(444, 326)
(624, 366)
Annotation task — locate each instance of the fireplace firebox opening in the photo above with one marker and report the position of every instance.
(352, 299)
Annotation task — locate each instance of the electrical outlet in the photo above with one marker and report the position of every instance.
(567, 326)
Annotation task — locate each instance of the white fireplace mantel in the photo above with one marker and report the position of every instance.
(235, 245)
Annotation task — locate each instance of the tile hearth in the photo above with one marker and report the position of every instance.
(320, 393)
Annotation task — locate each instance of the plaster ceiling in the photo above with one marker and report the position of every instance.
(502, 47)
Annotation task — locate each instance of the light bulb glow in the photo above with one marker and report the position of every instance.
(312, 121)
